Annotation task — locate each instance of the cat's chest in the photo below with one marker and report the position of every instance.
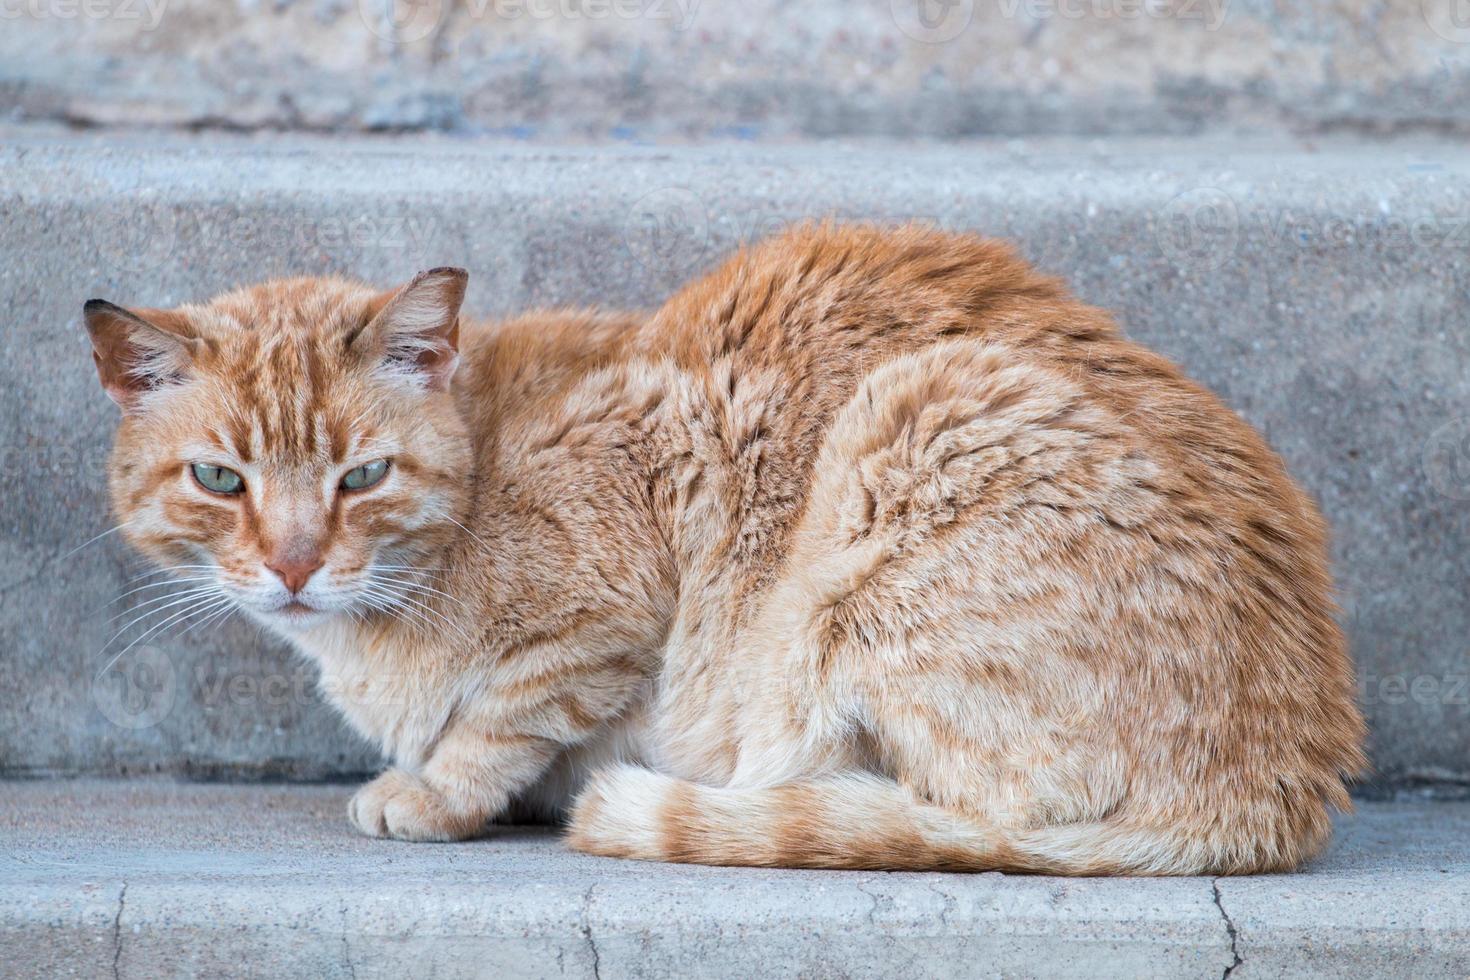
(397, 707)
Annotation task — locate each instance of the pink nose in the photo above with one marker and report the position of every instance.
(295, 570)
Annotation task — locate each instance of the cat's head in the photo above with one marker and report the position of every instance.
(293, 444)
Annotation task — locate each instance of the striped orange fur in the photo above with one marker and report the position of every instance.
(871, 549)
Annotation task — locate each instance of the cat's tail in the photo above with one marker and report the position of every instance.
(864, 821)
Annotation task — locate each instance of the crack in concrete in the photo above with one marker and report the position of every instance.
(587, 932)
(1229, 928)
(873, 909)
(122, 898)
(949, 902)
(346, 948)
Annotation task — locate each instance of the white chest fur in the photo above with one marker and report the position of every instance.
(404, 712)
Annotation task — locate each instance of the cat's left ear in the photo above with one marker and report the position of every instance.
(138, 351)
(415, 330)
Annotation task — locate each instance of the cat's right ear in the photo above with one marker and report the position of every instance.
(415, 330)
(137, 352)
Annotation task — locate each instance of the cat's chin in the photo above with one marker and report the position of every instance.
(294, 617)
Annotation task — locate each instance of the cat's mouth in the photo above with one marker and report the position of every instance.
(296, 612)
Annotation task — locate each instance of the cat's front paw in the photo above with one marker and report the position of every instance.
(400, 805)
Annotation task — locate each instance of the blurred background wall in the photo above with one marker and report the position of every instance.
(1275, 194)
(758, 69)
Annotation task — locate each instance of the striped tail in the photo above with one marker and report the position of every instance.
(864, 821)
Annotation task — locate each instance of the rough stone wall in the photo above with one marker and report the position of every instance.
(763, 69)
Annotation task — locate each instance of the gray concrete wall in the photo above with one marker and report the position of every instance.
(1321, 290)
(640, 69)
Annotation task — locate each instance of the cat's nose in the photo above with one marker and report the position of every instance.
(295, 570)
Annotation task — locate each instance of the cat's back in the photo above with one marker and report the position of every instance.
(785, 340)
(807, 317)
(835, 298)
(523, 366)
(769, 347)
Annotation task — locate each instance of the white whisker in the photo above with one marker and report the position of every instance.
(401, 592)
(417, 585)
(466, 530)
(199, 605)
(95, 539)
(392, 607)
(177, 599)
(187, 593)
(414, 611)
(224, 613)
(154, 585)
(154, 573)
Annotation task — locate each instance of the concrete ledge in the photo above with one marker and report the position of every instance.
(1320, 289)
(146, 879)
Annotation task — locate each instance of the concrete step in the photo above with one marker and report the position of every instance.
(1321, 289)
(641, 69)
(149, 879)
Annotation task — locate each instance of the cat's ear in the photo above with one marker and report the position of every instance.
(415, 330)
(137, 351)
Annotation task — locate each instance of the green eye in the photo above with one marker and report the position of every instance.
(366, 475)
(217, 479)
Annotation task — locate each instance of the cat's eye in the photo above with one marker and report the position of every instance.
(217, 479)
(365, 475)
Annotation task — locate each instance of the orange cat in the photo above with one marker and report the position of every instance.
(872, 549)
